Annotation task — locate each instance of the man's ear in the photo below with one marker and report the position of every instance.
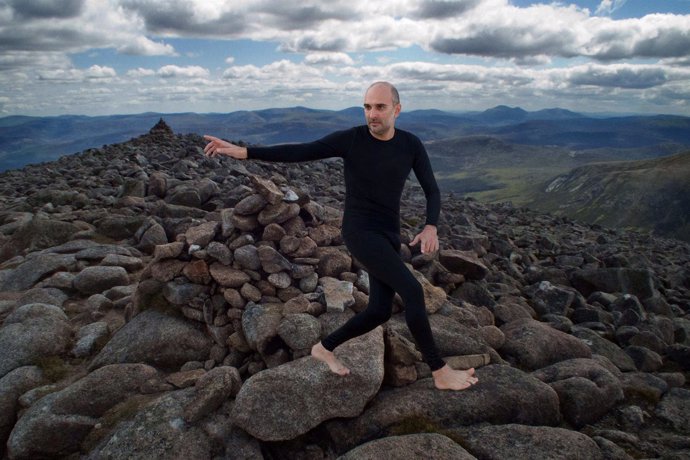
(398, 108)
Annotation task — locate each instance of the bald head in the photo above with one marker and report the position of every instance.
(381, 108)
(394, 92)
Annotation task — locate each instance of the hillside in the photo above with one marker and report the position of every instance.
(492, 169)
(646, 194)
(157, 303)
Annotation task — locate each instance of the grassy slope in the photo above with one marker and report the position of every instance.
(491, 169)
(646, 194)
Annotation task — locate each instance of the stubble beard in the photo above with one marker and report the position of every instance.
(378, 129)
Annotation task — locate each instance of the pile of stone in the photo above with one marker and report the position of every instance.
(158, 303)
(271, 277)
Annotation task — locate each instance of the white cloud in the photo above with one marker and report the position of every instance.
(95, 72)
(606, 7)
(173, 71)
(142, 46)
(328, 59)
(141, 72)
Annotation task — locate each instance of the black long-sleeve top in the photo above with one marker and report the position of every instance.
(375, 173)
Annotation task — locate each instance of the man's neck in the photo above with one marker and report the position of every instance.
(388, 135)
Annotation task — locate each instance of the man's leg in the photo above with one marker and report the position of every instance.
(380, 256)
(378, 311)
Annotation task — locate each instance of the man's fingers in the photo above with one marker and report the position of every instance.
(415, 240)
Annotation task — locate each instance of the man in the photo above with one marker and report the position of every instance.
(377, 158)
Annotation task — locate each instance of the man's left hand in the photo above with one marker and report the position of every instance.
(428, 239)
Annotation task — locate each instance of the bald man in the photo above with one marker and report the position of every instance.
(378, 159)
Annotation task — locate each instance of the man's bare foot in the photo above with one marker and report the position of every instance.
(448, 378)
(319, 352)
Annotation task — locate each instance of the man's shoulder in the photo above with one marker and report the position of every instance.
(407, 136)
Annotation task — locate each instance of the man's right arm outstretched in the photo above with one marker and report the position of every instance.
(333, 145)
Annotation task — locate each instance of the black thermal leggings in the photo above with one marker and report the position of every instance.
(379, 253)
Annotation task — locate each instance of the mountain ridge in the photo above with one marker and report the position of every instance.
(25, 140)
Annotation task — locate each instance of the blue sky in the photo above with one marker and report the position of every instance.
(98, 57)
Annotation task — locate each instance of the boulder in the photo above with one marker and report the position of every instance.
(332, 261)
(32, 332)
(268, 189)
(89, 338)
(129, 263)
(93, 280)
(299, 331)
(202, 235)
(155, 338)
(338, 294)
(260, 326)
(464, 262)
(157, 430)
(452, 338)
(34, 269)
(587, 391)
(212, 390)
(601, 346)
(277, 213)
(272, 261)
(39, 233)
(532, 345)
(434, 296)
(642, 385)
(247, 256)
(272, 406)
(527, 442)
(182, 293)
(12, 386)
(673, 409)
(431, 446)
(550, 299)
(252, 204)
(521, 399)
(120, 227)
(228, 276)
(58, 423)
(51, 296)
(638, 282)
(645, 359)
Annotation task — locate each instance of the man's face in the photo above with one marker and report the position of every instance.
(380, 112)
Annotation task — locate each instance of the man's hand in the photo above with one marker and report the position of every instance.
(217, 147)
(428, 238)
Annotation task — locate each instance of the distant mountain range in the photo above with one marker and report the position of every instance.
(25, 140)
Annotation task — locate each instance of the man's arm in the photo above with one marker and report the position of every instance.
(425, 175)
(333, 145)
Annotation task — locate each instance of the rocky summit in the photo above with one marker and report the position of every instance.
(156, 303)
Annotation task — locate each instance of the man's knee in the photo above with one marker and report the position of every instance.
(413, 294)
(378, 314)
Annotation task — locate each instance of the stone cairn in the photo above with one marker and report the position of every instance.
(258, 279)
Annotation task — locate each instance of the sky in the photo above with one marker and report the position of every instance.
(102, 57)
